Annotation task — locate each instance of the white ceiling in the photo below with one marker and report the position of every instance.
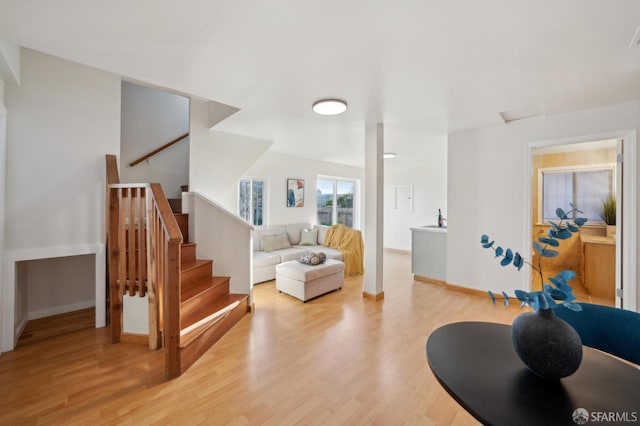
(424, 68)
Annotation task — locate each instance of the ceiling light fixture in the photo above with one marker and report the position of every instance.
(389, 155)
(329, 106)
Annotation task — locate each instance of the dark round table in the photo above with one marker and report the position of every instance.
(476, 363)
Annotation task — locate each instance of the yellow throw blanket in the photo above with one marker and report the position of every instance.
(349, 242)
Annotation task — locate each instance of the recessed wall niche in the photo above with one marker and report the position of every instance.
(52, 286)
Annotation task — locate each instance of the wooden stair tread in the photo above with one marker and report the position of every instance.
(221, 303)
(189, 292)
(187, 266)
(187, 252)
(204, 303)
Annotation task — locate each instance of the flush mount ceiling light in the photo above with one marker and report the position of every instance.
(389, 155)
(329, 106)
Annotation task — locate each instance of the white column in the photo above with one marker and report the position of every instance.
(3, 149)
(373, 210)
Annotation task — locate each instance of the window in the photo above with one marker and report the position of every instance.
(337, 201)
(252, 200)
(584, 187)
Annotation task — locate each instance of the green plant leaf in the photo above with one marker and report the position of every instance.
(517, 261)
(538, 248)
(499, 251)
(549, 253)
(560, 213)
(506, 299)
(508, 258)
(567, 275)
(563, 234)
(492, 297)
(580, 221)
(573, 306)
(550, 241)
(554, 226)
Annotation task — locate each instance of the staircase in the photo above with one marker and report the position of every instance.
(207, 308)
(189, 308)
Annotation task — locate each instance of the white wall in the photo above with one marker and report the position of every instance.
(21, 316)
(150, 119)
(425, 167)
(223, 237)
(63, 119)
(487, 171)
(45, 278)
(10, 62)
(218, 159)
(277, 168)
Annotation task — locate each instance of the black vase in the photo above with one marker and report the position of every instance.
(547, 345)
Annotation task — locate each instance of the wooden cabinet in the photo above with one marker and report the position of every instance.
(599, 262)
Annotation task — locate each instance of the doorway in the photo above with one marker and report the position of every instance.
(586, 172)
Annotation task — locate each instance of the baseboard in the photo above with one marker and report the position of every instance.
(429, 280)
(453, 287)
(19, 330)
(138, 339)
(371, 296)
(61, 309)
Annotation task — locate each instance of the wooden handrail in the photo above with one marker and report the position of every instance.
(112, 170)
(166, 249)
(144, 259)
(155, 151)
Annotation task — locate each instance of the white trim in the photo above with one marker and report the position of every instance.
(3, 181)
(19, 329)
(42, 313)
(629, 249)
(8, 290)
(630, 225)
(220, 207)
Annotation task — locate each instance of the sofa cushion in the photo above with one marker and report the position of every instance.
(274, 242)
(292, 253)
(293, 231)
(265, 230)
(309, 237)
(262, 258)
(322, 233)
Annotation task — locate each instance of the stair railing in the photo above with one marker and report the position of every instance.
(157, 150)
(164, 259)
(141, 222)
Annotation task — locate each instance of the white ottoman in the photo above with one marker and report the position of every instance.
(306, 281)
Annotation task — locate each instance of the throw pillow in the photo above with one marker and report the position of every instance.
(309, 237)
(274, 242)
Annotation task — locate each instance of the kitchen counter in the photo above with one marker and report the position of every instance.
(429, 253)
(429, 228)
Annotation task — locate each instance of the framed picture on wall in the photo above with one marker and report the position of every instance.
(295, 192)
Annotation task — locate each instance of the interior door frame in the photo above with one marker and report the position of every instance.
(627, 241)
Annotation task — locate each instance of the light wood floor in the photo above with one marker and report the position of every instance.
(56, 325)
(336, 360)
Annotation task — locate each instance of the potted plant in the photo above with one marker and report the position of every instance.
(547, 345)
(607, 212)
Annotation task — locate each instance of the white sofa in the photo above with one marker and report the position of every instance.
(265, 259)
